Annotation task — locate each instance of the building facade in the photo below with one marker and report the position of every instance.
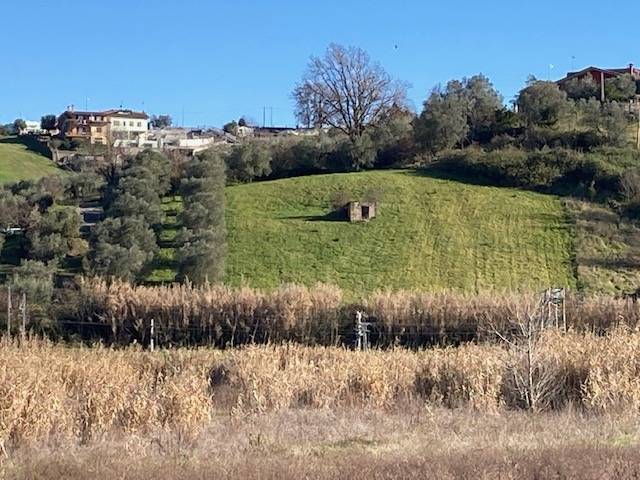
(127, 125)
(107, 127)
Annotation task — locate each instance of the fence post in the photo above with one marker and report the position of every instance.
(8, 311)
(23, 310)
(362, 332)
(359, 332)
(153, 332)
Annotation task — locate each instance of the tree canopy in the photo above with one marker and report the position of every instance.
(542, 103)
(344, 89)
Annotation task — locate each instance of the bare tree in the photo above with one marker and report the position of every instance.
(532, 380)
(347, 91)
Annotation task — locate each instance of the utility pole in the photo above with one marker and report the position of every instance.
(638, 132)
(9, 311)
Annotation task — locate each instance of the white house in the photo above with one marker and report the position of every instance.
(126, 125)
(31, 127)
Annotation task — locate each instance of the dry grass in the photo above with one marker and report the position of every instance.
(290, 411)
(82, 394)
(416, 442)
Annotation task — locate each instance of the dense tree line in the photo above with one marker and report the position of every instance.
(203, 238)
(124, 243)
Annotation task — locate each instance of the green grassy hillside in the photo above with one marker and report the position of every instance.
(18, 162)
(430, 234)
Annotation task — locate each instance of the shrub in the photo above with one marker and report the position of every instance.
(340, 199)
(560, 171)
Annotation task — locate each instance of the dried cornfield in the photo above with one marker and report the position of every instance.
(49, 391)
(223, 316)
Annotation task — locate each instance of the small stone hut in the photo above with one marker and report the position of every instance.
(361, 211)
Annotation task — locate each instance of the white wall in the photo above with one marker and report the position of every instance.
(128, 125)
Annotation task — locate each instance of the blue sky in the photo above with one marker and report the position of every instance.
(216, 61)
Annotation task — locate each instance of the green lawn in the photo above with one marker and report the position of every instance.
(18, 162)
(430, 234)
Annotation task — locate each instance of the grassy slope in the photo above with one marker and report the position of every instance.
(18, 162)
(607, 249)
(430, 234)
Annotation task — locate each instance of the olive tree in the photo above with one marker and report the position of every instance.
(542, 103)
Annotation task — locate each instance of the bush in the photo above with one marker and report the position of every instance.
(340, 199)
(35, 280)
(248, 161)
(559, 171)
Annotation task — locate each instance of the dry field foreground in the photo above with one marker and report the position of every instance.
(295, 412)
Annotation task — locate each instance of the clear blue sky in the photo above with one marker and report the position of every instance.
(220, 60)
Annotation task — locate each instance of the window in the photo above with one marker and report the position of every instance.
(116, 123)
(139, 124)
(99, 129)
(131, 124)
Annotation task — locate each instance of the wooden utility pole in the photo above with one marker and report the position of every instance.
(638, 131)
(9, 311)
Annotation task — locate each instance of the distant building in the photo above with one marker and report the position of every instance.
(184, 140)
(126, 125)
(31, 127)
(600, 76)
(244, 131)
(108, 127)
(361, 211)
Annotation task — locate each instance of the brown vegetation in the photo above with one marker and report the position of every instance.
(223, 316)
(414, 443)
(49, 391)
(290, 411)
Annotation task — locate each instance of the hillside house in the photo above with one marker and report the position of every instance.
(106, 127)
(601, 75)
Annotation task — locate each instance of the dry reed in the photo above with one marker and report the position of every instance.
(223, 316)
(51, 391)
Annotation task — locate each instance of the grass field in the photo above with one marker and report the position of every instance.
(430, 234)
(607, 249)
(19, 162)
